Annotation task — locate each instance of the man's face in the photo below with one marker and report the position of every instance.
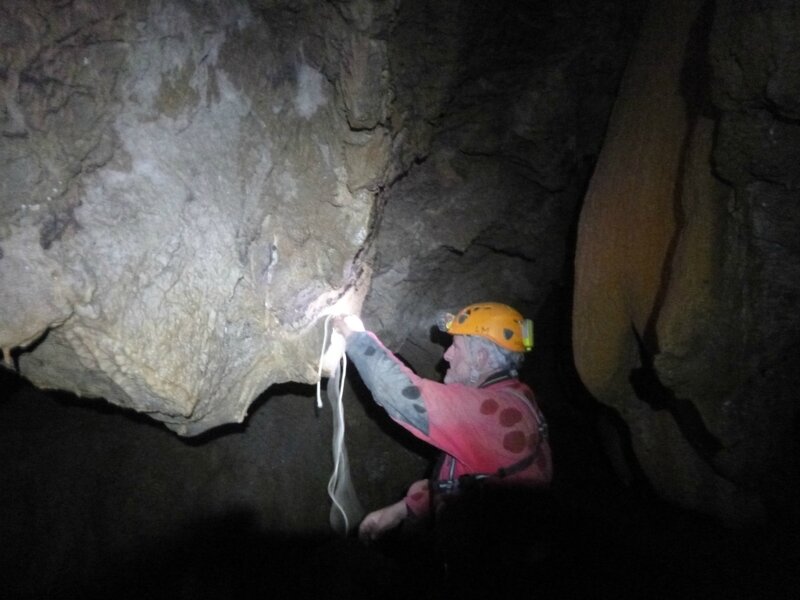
(460, 361)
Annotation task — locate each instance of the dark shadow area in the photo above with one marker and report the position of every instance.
(228, 557)
(11, 360)
(437, 336)
(11, 382)
(655, 553)
(648, 388)
(592, 537)
(278, 390)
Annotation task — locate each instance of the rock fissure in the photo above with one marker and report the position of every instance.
(506, 252)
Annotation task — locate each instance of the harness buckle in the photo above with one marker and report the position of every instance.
(544, 430)
(454, 486)
(445, 486)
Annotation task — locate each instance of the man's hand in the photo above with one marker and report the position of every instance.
(377, 523)
(347, 324)
(343, 326)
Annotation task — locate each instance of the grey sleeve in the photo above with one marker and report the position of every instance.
(391, 387)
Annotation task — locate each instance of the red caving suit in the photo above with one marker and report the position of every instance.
(480, 429)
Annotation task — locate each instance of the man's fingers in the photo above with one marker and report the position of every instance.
(354, 323)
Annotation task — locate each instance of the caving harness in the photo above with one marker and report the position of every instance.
(454, 485)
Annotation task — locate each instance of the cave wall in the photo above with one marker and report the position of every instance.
(186, 189)
(486, 212)
(685, 267)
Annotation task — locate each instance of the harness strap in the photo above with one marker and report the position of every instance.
(498, 377)
(521, 465)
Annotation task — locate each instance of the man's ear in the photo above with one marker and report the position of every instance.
(482, 359)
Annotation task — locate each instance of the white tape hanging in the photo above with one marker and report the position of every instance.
(346, 510)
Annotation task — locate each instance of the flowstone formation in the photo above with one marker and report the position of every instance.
(185, 190)
(687, 258)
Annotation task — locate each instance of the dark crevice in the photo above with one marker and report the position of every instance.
(645, 379)
(55, 225)
(776, 112)
(453, 250)
(649, 389)
(637, 482)
(507, 253)
(15, 352)
(694, 89)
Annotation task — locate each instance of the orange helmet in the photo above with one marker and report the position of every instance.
(494, 321)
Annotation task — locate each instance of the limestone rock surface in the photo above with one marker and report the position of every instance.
(187, 188)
